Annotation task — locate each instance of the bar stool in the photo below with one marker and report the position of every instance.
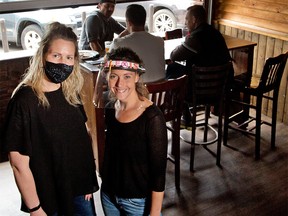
(269, 81)
(206, 88)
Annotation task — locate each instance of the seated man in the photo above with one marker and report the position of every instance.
(100, 27)
(148, 47)
(203, 46)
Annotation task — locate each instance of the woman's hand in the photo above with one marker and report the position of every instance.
(88, 196)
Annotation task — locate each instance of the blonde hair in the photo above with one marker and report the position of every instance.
(34, 75)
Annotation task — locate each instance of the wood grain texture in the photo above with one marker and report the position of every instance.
(266, 16)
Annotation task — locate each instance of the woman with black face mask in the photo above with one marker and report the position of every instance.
(46, 137)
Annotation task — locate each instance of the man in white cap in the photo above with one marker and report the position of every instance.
(100, 27)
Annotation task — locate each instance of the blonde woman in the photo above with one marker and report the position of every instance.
(49, 147)
(133, 172)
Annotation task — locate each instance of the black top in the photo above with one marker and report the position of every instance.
(59, 147)
(135, 154)
(205, 46)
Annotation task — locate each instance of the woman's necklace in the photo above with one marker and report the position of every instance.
(118, 106)
(140, 107)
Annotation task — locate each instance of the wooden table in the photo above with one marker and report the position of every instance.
(242, 52)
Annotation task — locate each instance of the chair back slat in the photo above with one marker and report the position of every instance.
(207, 84)
(272, 72)
(169, 96)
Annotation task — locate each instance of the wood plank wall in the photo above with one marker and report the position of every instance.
(268, 17)
(266, 23)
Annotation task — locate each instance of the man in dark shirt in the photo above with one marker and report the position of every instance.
(100, 27)
(203, 46)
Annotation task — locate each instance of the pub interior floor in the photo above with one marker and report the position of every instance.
(241, 186)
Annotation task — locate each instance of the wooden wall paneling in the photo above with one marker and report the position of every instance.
(278, 49)
(265, 24)
(283, 97)
(221, 28)
(248, 36)
(234, 32)
(240, 33)
(268, 11)
(228, 30)
(277, 1)
(259, 58)
(255, 38)
(284, 90)
(273, 5)
(265, 17)
(269, 52)
(261, 54)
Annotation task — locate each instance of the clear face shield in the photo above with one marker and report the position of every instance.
(102, 95)
(101, 87)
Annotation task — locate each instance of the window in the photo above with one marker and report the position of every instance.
(8, 6)
(33, 15)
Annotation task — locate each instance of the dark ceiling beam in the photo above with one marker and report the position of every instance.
(29, 5)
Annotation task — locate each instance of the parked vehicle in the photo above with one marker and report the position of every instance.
(168, 14)
(26, 28)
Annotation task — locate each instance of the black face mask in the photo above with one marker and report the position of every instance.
(57, 73)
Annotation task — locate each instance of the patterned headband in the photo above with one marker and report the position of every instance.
(124, 65)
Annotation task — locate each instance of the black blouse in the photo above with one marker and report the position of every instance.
(135, 154)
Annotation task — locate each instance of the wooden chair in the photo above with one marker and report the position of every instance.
(169, 95)
(176, 33)
(269, 82)
(207, 87)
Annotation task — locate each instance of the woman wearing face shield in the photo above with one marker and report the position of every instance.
(49, 147)
(133, 172)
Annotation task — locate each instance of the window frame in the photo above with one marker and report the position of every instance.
(29, 5)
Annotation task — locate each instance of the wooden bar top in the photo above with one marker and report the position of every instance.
(232, 43)
(236, 43)
(89, 67)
